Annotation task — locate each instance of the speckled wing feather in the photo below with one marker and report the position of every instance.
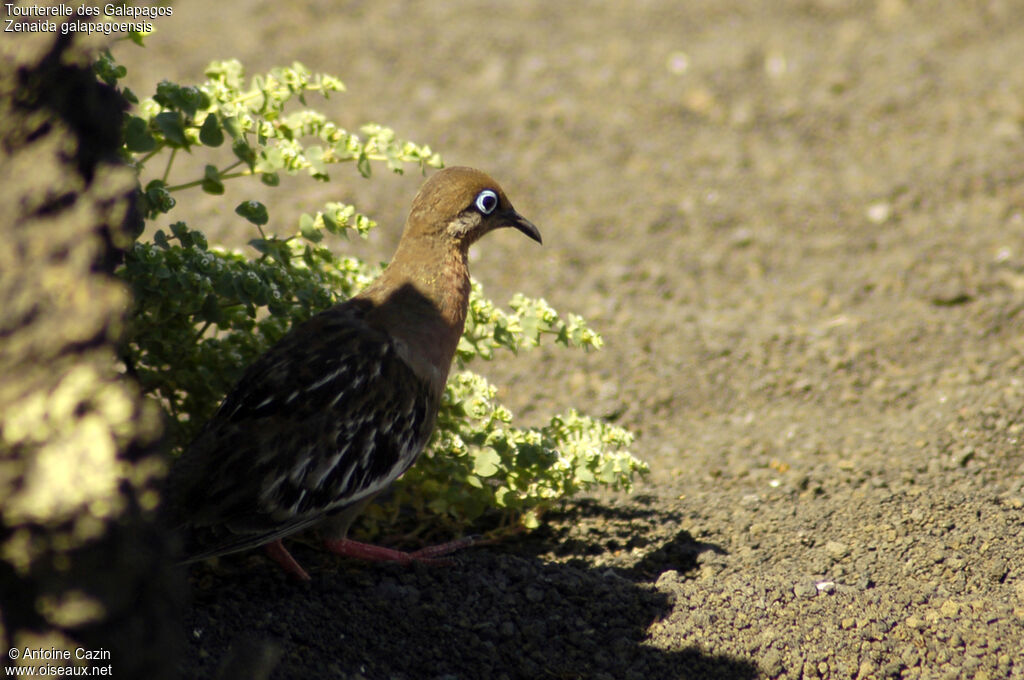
(328, 417)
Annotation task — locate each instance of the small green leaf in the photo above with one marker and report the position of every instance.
(231, 126)
(363, 165)
(166, 94)
(158, 198)
(307, 227)
(254, 211)
(180, 230)
(211, 310)
(269, 161)
(190, 99)
(172, 126)
(275, 248)
(315, 156)
(501, 496)
(210, 133)
(331, 221)
(584, 474)
(108, 70)
(243, 151)
(137, 136)
(212, 183)
(486, 461)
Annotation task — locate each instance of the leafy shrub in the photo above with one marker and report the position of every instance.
(202, 312)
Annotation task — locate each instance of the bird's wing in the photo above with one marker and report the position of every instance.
(327, 417)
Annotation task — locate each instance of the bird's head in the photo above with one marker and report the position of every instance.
(459, 205)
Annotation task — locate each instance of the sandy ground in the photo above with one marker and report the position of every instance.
(799, 227)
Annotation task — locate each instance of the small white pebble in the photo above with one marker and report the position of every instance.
(678, 63)
(775, 65)
(879, 212)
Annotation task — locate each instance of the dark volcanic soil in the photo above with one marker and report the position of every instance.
(800, 227)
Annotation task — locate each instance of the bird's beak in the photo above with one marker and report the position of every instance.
(514, 219)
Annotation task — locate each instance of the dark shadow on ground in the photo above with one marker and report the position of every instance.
(490, 615)
(589, 530)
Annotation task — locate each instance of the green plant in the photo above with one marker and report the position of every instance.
(202, 312)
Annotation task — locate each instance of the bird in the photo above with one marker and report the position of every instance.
(344, 403)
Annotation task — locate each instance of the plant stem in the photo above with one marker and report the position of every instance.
(195, 183)
(170, 161)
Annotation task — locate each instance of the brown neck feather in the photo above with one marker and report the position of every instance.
(421, 299)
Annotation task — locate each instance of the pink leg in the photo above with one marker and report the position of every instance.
(376, 553)
(277, 552)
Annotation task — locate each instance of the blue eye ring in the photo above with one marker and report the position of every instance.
(486, 201)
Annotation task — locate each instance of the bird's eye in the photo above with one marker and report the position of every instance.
(486, 201)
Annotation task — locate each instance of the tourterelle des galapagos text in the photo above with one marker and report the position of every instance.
(41, 18)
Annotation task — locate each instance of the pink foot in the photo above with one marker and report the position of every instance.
(277, 552)
(376, 553)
